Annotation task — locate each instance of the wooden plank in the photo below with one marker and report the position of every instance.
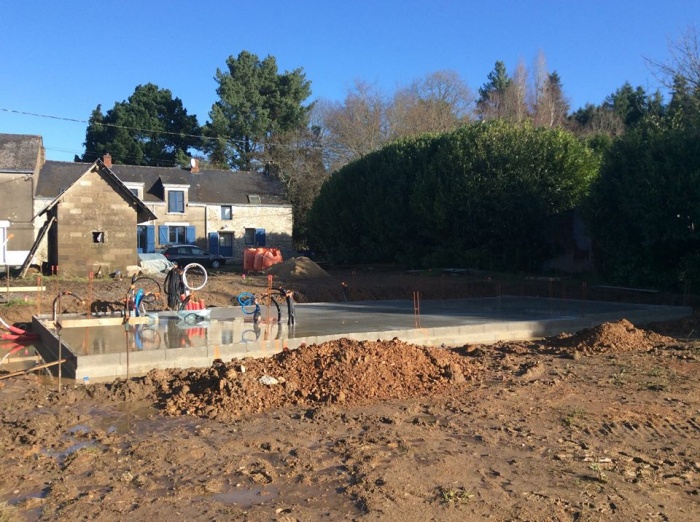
(35, 246)
(33, 368)
(25, 289)
(101, 321)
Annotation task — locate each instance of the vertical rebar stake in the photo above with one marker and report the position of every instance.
(416, 308)
(40, 294)
(88, 301)
(60, 347)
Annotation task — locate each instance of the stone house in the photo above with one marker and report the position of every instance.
(92, 224)
(21, 157)
(219, 210)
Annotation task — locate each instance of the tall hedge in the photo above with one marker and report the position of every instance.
(644, 210)
(485, 196)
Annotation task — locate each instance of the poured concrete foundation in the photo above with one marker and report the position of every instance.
(99, 351)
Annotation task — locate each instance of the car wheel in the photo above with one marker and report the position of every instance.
(216, 263)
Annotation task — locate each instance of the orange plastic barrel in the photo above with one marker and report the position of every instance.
(257, 266)
(249, 258)
(272, 256)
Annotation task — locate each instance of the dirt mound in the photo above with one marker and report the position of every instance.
(297, 268)
(343, 371)
(620, 336)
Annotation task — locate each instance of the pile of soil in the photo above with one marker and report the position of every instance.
(353, 373)
(297, 268)
(620, 336)
(344, 372)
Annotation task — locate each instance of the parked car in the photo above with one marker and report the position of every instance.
(183, 255)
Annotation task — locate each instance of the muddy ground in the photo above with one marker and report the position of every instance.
(602, 424)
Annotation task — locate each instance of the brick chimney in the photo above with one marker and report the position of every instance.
(107, 160)
(194, 165)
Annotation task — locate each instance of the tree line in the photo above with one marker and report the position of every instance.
(488, 170)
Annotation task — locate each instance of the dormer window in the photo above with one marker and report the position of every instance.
(253, 198)
(176, 201)
(135, 188)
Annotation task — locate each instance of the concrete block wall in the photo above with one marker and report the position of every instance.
(92, 205)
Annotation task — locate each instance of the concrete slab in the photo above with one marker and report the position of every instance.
(99, 352)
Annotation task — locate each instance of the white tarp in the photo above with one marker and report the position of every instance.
(154, 263)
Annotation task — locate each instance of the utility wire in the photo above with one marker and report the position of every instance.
(75, 120)
(137, 129)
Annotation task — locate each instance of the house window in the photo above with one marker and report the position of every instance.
(135, 192)
(226, 240)
(172, 233)
(226, 212)
(254, 237)
(254, 198)
(250, 236)
(177, 235)
(98, 237)
(176, 201)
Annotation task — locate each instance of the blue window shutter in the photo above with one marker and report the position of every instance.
(214, 242)
(260, 237)
(190, 235)
(163, 235)
(150, 239)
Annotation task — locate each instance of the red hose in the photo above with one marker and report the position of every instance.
(26, 336)
(16, 330)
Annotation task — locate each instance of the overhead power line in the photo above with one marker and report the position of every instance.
(75, 120)
(138, 129)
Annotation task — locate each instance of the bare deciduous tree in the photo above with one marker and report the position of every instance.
(516, 96)
(296, 159)
(357, 126)
(552, 107)
(684, 61)
(437, 103)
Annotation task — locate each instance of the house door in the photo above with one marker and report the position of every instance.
(221, 243)
(226, 244)
(145, 239)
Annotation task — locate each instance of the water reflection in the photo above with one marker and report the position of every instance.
(167, 333)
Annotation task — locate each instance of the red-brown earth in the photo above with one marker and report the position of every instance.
(601, 424)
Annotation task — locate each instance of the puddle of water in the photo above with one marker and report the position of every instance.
(16, 356)
(167, 333)
(37, 494)
(61, 456)
(248, 497)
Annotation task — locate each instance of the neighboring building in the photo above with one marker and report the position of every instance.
(220, 210)
(21, 157)
(91, 224)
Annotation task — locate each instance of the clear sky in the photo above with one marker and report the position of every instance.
(61, 59)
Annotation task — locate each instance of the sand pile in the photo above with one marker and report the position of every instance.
(297, 268)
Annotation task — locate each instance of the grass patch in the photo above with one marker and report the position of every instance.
(456, 495)
(619, 378)
(573, 417)
(8, 513)
(600, 475)
(654, 386)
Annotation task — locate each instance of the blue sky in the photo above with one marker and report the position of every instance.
(62, 59)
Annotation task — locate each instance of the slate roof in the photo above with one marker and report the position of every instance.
(19, 152)
(215, 187)
(144, 213)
